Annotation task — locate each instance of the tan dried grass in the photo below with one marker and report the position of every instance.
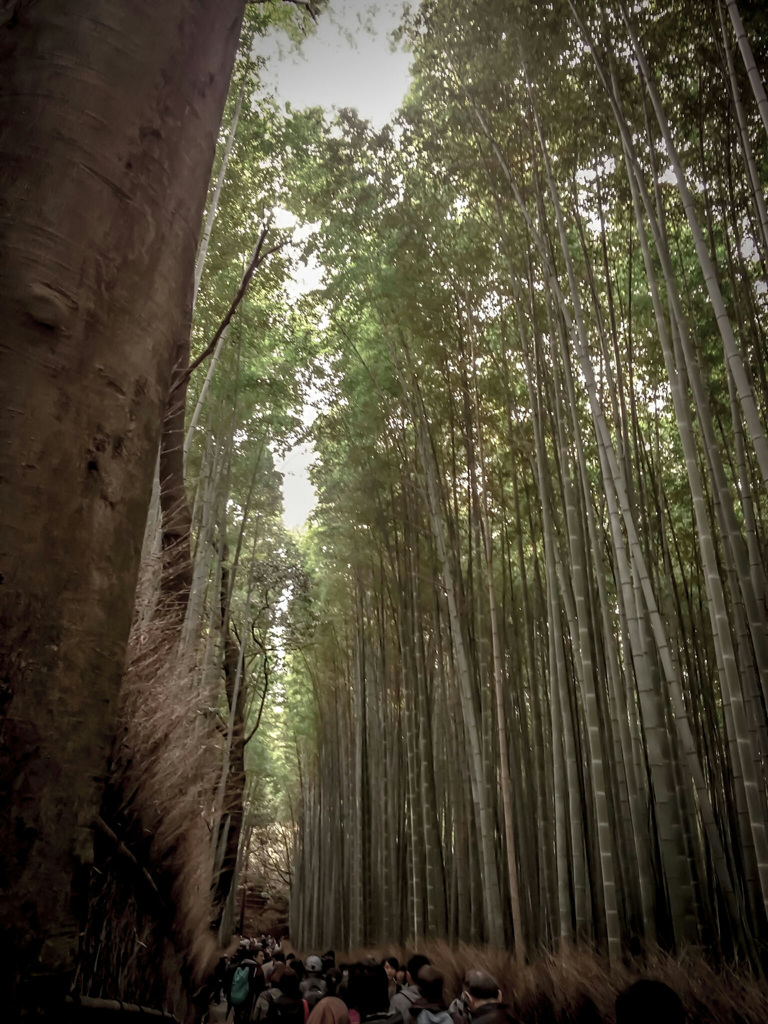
(152, 947)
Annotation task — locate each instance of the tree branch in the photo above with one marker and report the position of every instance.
(256, 260)
(254, 730)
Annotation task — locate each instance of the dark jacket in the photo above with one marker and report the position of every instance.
(258, 984)
(286, 1010)
(493, 1013)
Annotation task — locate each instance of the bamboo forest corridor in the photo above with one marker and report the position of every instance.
(384, 511)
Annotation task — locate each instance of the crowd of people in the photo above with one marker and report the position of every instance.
(264, 985)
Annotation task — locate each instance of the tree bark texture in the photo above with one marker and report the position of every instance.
(109, 115)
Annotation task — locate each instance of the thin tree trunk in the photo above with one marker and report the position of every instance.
(213, 206)
(749, 62)
(491, 888)
(730, 345)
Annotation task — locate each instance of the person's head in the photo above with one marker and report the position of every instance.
(414, 965)
(289, 957)
(391, 966)
(649, 1002)
(480, 988)
(430, 983)
(329, 1011)
(400, 975)
(330, 955)
(355, 992)
(313, 965)
(288, 983)
(374, 991)
(298, 966)
(333, 980)
(259, 956)
(279, 957)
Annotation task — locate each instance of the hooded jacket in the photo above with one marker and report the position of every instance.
(492, 1013)
(422, 1012)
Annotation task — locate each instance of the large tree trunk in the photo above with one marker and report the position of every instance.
(109, 113)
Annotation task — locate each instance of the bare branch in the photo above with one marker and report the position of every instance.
(256, 260)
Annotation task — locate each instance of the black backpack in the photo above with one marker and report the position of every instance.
(313, 988)
(286, 1010)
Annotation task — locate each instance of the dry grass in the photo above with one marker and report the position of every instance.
(711, 995)
(156, 947)
(169, 759)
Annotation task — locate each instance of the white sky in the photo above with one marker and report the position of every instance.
(347, 62)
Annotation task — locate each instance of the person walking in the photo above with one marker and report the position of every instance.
(481, 996)
(288, 1007)
(330, 1010)
(401, 1003)
(649, 1000)
(430, 1008)
(313, 987)
(391, 966)
(263, 1005)
(242, 991)
(374, 995)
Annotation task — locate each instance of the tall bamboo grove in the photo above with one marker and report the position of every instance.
(539, 681)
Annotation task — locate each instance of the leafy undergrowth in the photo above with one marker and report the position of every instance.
(556, 989)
